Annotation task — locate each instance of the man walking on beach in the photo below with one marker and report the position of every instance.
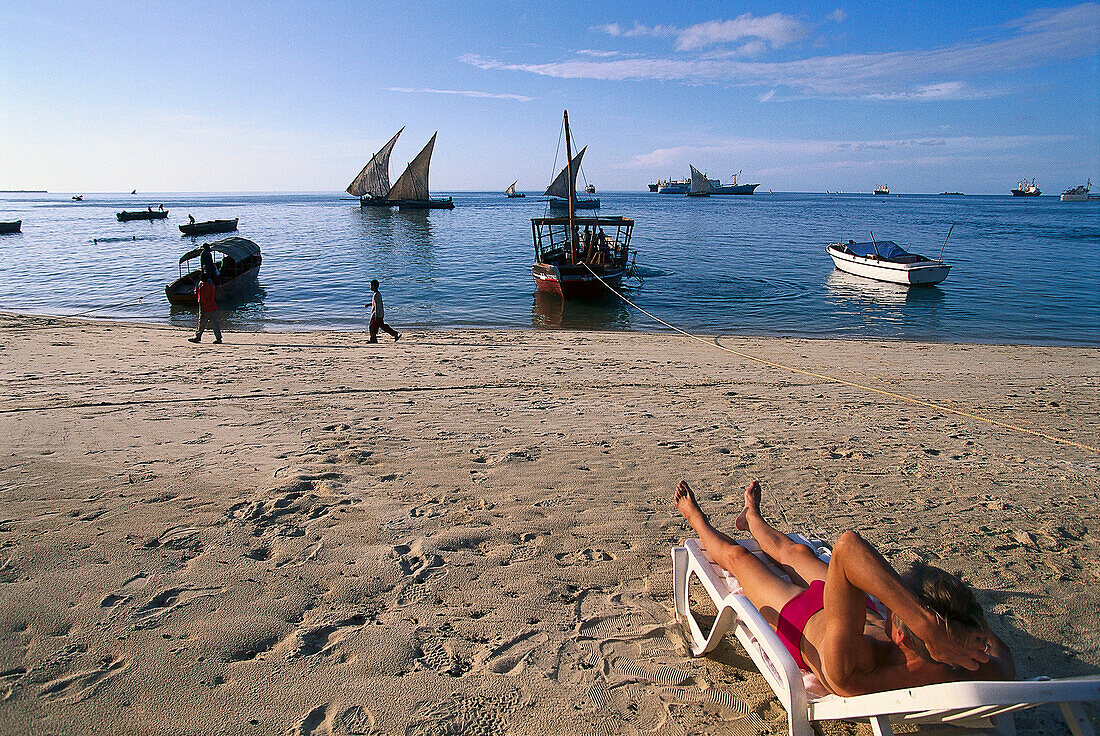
(378, 315)
(208, 311)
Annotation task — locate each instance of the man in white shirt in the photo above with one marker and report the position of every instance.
(378, 315)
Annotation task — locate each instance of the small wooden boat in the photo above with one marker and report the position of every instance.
(149, 214)
(572, 263)
(372, 184)
(77, 198)
(562, 195)
(10, 227)
(410, 191)
(593, 203)
(700, 184)
(237, 271)
(590, 189)
(209, 227)
(511, 192)
(887, 261)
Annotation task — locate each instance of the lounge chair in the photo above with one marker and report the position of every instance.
(973, 706)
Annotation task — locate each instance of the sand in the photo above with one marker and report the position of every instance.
(468, 531)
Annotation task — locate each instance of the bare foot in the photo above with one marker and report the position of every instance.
(752, 503)
(685, 501)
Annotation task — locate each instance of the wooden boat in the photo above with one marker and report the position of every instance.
(77, 198)
(410, 191)
(511, 192)
(373, 182)
(209, 227)
(887, 261)
(564, 254)
(149, 214)
(590, 189)
(561, 196)
(237, 271)
(10, 227)
(700, 184)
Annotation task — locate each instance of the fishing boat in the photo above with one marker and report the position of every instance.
(733, 188)
(372, 184)
(209, 227)
(410, 191)
(700, 184)
(882, 189)
(887, 261)
(77, 198)
(149, 214)
(237, 271)
(576, 256)
(1077, 194)
(562, 195)
(511, 192)
(590, 189)
(1026, 189)
(10, 227)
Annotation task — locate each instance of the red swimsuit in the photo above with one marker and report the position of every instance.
(799, 610)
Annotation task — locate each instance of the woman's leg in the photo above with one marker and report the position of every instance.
(797, 560)
(768, 592)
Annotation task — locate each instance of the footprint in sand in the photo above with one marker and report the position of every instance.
(510, 657)
(355, 721)
(169, 600)
(124, 593)
(320, 637)
(76, 687)
(583, 556)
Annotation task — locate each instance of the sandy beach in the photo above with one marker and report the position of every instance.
(468, 532)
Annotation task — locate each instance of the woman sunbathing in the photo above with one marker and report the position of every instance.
(934, 629)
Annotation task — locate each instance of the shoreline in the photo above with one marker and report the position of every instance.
(469, 529)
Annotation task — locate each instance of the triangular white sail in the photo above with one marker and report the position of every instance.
(561, 187)
(699, 182)
(374, 179)
(413, 183)
(511, 188)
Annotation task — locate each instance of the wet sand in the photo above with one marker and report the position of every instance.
(468, 531)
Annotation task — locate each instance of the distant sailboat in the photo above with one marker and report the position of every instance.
(511, 192)
(373, 182)
(700, 184)
(564, 186)
(410, 191)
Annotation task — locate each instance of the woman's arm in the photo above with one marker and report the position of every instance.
(857, 568)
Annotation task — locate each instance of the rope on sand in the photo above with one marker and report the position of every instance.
(834, 379)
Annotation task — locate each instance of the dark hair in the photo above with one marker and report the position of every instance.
(374, 283)
(949, 598)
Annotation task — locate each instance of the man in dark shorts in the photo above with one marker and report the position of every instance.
(378, 315)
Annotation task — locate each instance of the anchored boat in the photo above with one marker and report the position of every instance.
(209, 227)
(573, 254)
(237, 271)
(734, 188)
(10, 227)
(887, 261)
(511, 192)
(1078, 194)
(563, 195)
(149, 214)
(700, 184)
(372, 185)
(1026, 189)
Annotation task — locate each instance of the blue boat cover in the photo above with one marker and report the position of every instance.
(886, 249)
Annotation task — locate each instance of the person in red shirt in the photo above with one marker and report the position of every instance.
(208, 311)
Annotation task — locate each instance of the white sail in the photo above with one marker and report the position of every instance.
(413, 183)
(561, 187)
(374, 179)
(699, 182)
(511, 190)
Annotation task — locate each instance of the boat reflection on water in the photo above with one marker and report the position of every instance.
(243, 312)
(550, 311)
(847, 286)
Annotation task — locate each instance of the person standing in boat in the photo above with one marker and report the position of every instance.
(378, 315)
(206, 259)
(191, 219)
(208, 311)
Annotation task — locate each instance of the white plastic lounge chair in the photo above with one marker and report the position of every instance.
(974, 706)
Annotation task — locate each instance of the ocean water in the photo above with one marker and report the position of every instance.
(1025, 270)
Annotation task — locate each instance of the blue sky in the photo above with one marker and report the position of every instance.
(221, 96)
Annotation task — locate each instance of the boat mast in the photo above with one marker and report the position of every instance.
(571, 194)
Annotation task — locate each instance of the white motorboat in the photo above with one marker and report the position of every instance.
(887, 261)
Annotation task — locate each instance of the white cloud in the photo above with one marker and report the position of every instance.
(1035, 40)
(775, 30)
(837, 16)
(463, 93)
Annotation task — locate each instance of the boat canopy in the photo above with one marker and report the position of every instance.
(886, 249)
(239, 249)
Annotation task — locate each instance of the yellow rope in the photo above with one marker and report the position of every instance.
(834, 379)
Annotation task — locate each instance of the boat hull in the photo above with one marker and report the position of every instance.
(676, 188)
(444, 203)
(927, 273)
(141, 215)
(579, 204)
(209, 227)
(575, 281)
(10, 227)
(375, 202)
(517, 195)
(182, 291)
(736, 189)
(653, 187)
(1024, 193)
